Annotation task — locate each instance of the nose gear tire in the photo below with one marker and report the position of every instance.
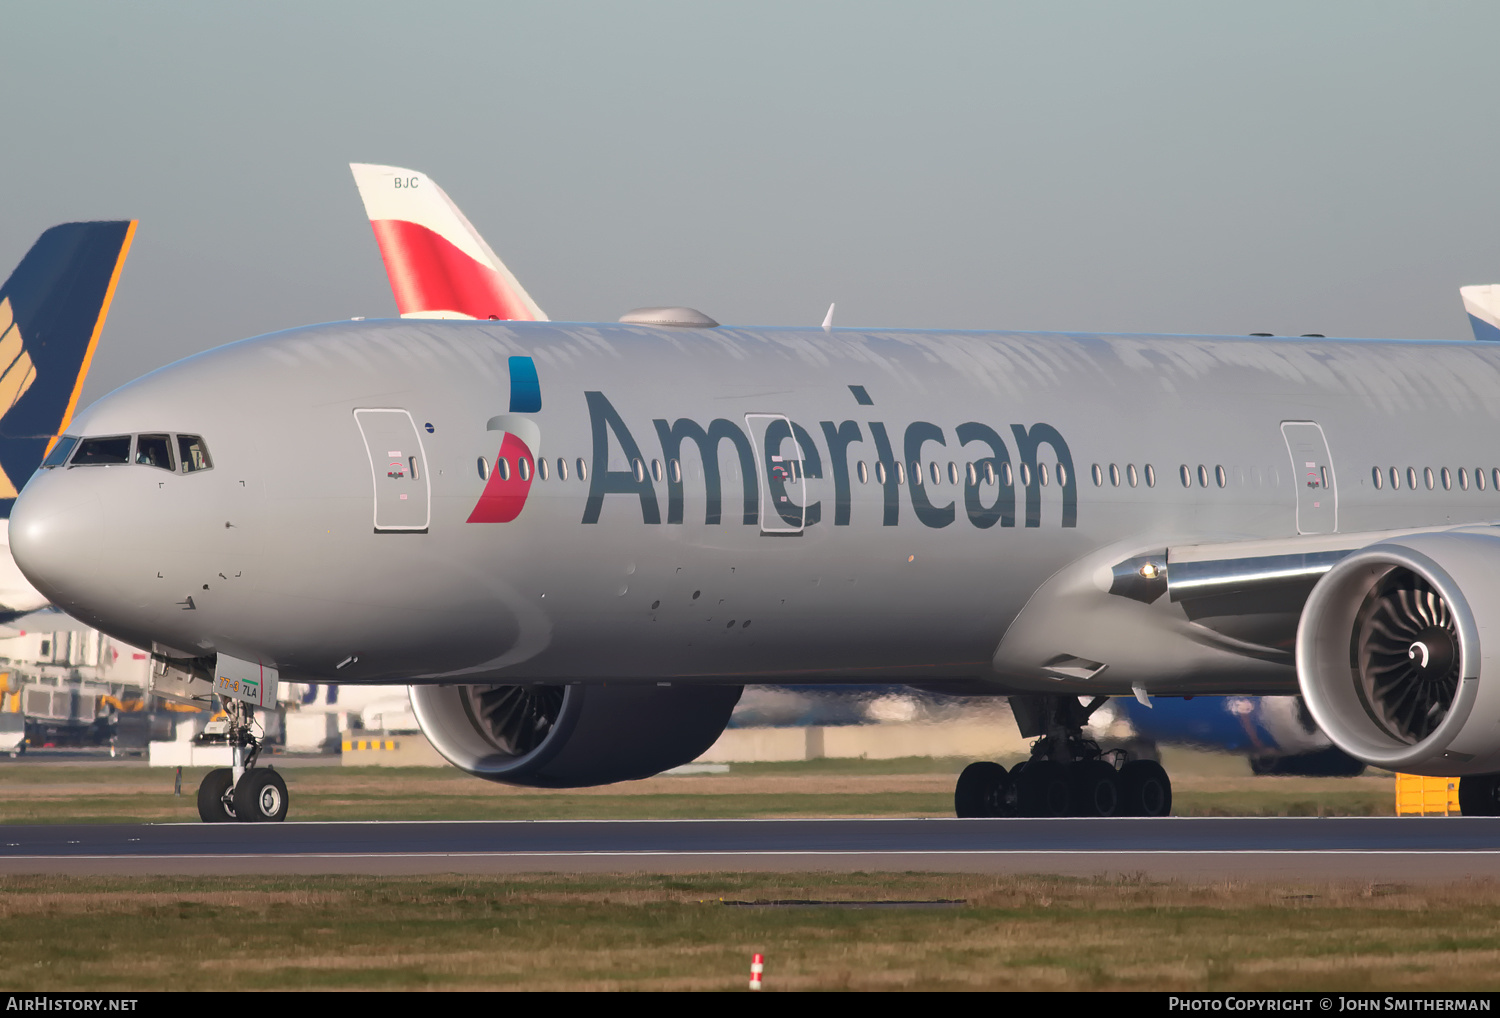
(261, 796)
(212, 793)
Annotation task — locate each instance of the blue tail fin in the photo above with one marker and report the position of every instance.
(52, 309)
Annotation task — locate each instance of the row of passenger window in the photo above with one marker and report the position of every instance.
(117, 450)
(1444, 476)
(971, 473)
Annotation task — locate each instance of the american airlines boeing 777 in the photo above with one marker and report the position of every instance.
(577, 541)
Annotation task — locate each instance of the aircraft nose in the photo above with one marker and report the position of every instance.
(56, 538)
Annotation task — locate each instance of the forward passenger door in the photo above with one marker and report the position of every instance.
(398, 470)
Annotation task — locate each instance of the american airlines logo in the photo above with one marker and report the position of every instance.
(988, 475)
(505, 490)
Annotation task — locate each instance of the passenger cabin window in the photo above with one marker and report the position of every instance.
(102, 452)
(193, 453)
(59, 454)
(154, 451)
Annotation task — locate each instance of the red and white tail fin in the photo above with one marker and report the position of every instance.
(438, 264)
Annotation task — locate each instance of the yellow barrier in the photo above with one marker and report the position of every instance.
(1421, 796)
(352, 744)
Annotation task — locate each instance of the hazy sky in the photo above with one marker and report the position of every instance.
(1179, 167)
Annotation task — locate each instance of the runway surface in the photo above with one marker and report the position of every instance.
(1386, 848)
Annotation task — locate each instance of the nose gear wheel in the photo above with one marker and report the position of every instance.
(259, 794)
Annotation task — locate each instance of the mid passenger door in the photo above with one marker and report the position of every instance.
(398, 470)
(1312, 472)
(783, 486)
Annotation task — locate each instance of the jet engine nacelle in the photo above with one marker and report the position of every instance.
(1398, 654)
(574, 735)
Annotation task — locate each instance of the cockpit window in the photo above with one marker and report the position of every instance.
(154, 451)
(59, 454)
(94, 452)
(194, 453)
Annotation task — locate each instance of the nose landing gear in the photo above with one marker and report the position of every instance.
(1067, 775)
(243, 792)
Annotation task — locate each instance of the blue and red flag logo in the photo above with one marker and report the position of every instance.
(515, 466)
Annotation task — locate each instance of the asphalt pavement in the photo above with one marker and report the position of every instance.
(1361, 848)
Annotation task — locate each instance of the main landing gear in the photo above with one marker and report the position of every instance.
(1067, 775)
(242, 792)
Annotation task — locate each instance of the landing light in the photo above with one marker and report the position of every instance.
(1150, 571)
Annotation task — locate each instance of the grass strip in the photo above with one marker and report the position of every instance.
(605, 932)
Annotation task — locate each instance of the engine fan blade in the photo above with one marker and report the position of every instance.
(1406, 653)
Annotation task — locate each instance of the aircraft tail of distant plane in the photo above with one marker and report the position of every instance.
(1483, 305)
(52, 311)
(438, 264)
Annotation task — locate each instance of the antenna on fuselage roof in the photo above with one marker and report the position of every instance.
(828, 319)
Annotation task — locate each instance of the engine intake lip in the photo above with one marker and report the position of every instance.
(1330, 683)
